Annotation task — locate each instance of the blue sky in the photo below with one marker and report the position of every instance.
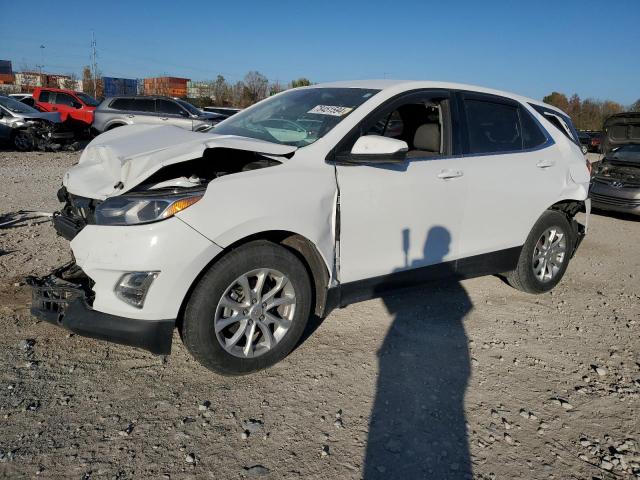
(531, 47)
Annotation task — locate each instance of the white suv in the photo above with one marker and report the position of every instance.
(312, 199)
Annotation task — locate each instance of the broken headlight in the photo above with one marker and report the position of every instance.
(137, 209)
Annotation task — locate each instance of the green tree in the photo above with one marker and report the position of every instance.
(300, 82)
(557, 100)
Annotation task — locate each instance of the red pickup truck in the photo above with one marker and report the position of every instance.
(74, 107)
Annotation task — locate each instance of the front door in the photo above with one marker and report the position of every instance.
(401, 217)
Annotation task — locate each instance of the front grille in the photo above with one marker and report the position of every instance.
(616, 201)
(608, 182)
(52, 294)
(53, 300)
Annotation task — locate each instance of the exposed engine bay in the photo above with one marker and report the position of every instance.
(623, 172)
(189, 176)
(46, 136)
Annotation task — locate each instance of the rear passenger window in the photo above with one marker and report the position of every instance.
(144, 105)
(492, 127)
(122, 104)
(532, 136)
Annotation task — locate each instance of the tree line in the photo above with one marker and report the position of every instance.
(251, 89)
(588, 114)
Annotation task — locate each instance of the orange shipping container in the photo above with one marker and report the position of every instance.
(8, 78)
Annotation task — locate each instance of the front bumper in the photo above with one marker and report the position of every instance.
(64, 298)
(619, 198)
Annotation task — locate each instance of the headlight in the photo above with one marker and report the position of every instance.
(137, 209)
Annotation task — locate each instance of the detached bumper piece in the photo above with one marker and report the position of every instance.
(64, 298)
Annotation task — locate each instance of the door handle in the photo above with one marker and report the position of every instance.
(545, 163)
(446, 174)
(164, 118)
(130, 116)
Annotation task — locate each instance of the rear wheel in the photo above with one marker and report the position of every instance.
(545, 255)
(249, 309)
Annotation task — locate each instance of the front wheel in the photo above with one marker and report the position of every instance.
(545, 255)
(23, 141)
(249, 309)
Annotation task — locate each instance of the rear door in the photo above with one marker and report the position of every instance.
(143, 110)
(511, 166)
(171, 113)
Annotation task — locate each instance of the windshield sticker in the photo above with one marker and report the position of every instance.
(333, 110)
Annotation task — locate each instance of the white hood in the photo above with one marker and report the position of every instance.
(131, 154)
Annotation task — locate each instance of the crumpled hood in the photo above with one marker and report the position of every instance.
(53, 117)
(129, 155)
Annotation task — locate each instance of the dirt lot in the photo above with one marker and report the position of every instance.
(456, 380)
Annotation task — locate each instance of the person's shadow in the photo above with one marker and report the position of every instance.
(417, 428)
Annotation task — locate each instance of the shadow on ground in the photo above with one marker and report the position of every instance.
(417, 428)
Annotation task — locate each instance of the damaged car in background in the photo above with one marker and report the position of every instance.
(312, 199)
(616, 179)
(28, 129)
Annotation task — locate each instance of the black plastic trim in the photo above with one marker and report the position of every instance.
(152, 335)
(470, 267)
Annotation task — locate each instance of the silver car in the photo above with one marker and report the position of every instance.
(118, 111)
(27, 128)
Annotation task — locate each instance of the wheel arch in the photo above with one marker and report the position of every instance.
(115, 124)
(299, 245)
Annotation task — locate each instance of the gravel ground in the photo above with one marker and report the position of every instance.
(456, 380)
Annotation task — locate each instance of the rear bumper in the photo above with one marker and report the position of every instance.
(64, 298)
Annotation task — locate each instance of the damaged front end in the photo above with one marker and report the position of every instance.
(43, 135)
(64, 298)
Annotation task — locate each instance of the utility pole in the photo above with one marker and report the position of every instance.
(41, 66)
(94, 63)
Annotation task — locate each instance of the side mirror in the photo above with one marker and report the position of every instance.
(378, 149)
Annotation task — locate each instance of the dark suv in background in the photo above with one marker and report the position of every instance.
(155, 110)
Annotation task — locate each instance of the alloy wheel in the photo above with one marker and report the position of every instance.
(255, 313)
(549, 254)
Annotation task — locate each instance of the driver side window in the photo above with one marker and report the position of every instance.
(418, 123)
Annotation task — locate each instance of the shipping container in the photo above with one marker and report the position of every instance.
(7, 78)
(5, 67)
(168, 86)
(28, 80)
(119, 86)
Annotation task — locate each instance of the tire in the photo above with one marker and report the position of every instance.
(22, 141)
(220, 284)
(527, 275)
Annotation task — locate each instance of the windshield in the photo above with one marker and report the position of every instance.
(87, 99)
(15, 106)
(298, 117)
(189, 108)
(626, 153)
